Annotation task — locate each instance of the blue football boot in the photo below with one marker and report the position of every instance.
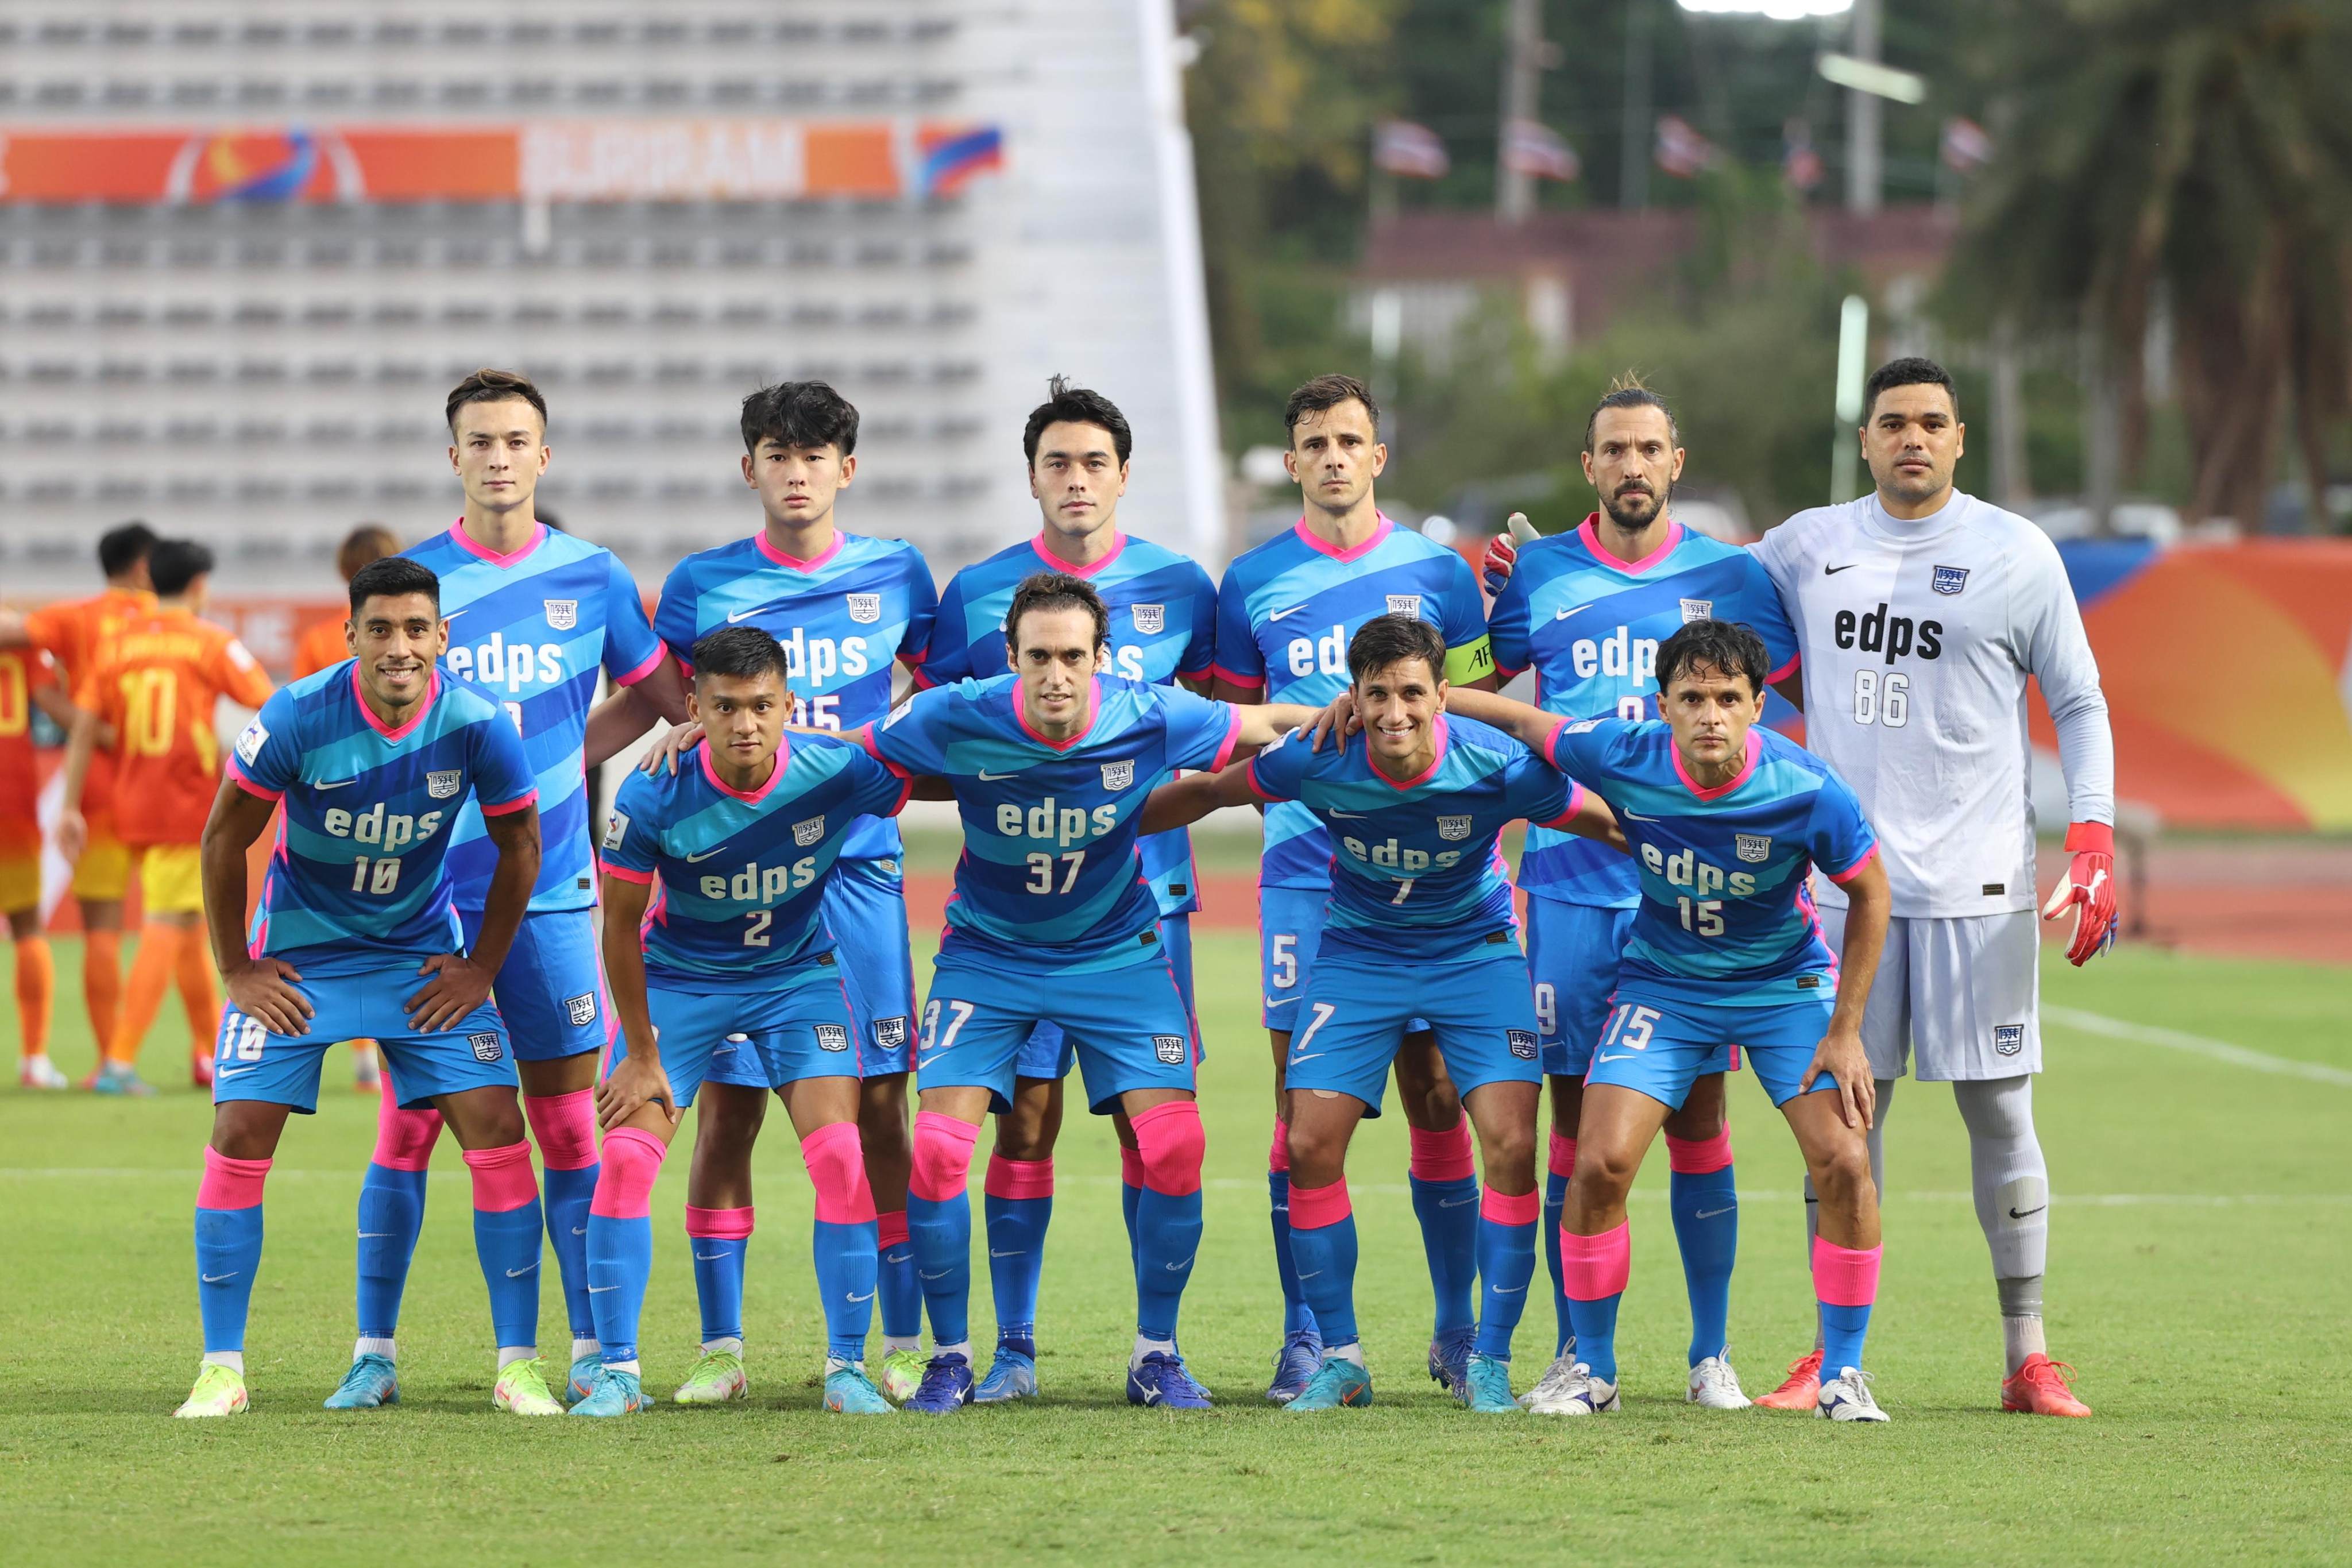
(947, 1383)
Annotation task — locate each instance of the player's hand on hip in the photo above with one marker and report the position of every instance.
(1336, 723)
(262, 988)
(458, 986)
(634, 1083)
(1841, 1055)
(667, 751)
(2088, 888)
(73, 834)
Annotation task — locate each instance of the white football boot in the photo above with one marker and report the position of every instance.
(1579, 1394)
(1714, 1385)
(1847, 1398)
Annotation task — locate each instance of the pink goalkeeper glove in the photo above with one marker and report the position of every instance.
(2089, 886)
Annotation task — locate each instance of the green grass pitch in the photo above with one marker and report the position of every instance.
(2201, 1272)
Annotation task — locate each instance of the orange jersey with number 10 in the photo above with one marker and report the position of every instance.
(158, 685)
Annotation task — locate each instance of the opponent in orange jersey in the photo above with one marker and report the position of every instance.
(28, 679)
(73, 634)
(158, 687)
(328, 643)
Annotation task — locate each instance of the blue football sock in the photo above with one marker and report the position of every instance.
(1167, 1237)
(1555, 1201)
(1507, 1266)
(1326, 1256)
(940, 1229)
(1842, 1331)
(228, 1251)
(392, 1210)
(1130, 1194)
(1596, 1334)
(1296, 1314)
(845, 1279)
(565, 1194)
(1448, 1212)
(1016, 1258)
(507, 1242)
(896, 1290)
(718, 1283)
(1707, 1227)
(620, 1261)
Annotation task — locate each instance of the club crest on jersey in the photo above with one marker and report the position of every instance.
(1453, 828)
(2007, 1040)
(1950, 579)
(1118, 776)
(807, 832)
(1405, 604)
(562, 614)
(864, 608)
(1697, 610)
(488, 1047)
(1169, 1049)
(1523, 1043)
(1150, 619)
(442, 784)
(580, 1009)
(617, 829)
(890, 1033)
(832, 1036)
(1753, 848)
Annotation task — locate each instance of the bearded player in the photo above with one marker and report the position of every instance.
(1921, 612)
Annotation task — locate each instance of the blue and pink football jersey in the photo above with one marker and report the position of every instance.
(1416, 872)
(1286, 612)
(1724, 916)
(1163, 627)
(358, 876)
(1049, 877)
(742, 873)
(533, 629)
(1589, 625)
(844, 620)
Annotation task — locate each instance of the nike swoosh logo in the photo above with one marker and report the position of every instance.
(708, 1257)
(696, 859)
(1280, 614)
(1308, 1057)
(940, 1275)
(376, 1234)
(579, 1230)
(854, 1300)
(747, 615)
(1280, 1001)
(1563, 614)
(232, 1072)
(897, 1257)
(1830, 571)
(338, 783)
(593, 1290)
(519, 1273)
(1351, 815)
(1637, 816)
(1620, 1056)
(1710, 1214)
(2028, 1213)
(1454, 1203)
(1310, 1274)
(1509, 1290)
(922, 1062)
(1016, 1252)
(218, 1278)
(987, 777)
(1179, 1268)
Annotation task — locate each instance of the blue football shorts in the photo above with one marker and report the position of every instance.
(1127, 1028)
(1047, 1052)
(865, 909)
(1660, 1045)
(1358, 1009)
(551, 989)
(758, 1039)
(251, 1063)
(1289, 930)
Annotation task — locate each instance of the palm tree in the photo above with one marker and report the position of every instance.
(2200, 154)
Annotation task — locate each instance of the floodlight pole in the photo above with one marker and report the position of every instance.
(1862, 118)
(1523, 61)
(1854, 345)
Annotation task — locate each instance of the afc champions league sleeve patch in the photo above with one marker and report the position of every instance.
(1522, 1043)
(617, 829)
(250, 741)
(489, 1047)
(580, 1009)
(1171, 1049)
(832, 1036)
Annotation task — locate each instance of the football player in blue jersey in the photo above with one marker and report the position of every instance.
(847, 609)
(1162, 629)
(1727, 820)
(1286, 612)
(534, 616)
(1587, 610)
(375, 760)
(731, 964)
(1053, 921)
(1419, 927)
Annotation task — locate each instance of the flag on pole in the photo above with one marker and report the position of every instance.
(1400, 147)
(1801, 166)
(1532, 148)
(1965, 145)
(1681, 151)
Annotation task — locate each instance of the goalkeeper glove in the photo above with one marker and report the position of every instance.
(2089, 886)
(1503, 552)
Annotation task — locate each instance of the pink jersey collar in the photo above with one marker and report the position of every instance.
(1755, 750)
(768, 549)
(1322, 546)
(783, 750)
(1590, 532)
(475, 547)
(408, 726)
(1094, 706)
(1436, 758)
(1117, 544)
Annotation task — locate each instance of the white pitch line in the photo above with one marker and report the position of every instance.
(2197, 1045)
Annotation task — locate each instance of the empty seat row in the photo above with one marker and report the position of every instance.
(412, 485)
(52, 370)
(670, 30)
(314, 315)
(599, 433)
(53, 93)
(665, 251)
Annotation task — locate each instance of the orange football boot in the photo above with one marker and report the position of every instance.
(1803, 1389)
(2040, 1387)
